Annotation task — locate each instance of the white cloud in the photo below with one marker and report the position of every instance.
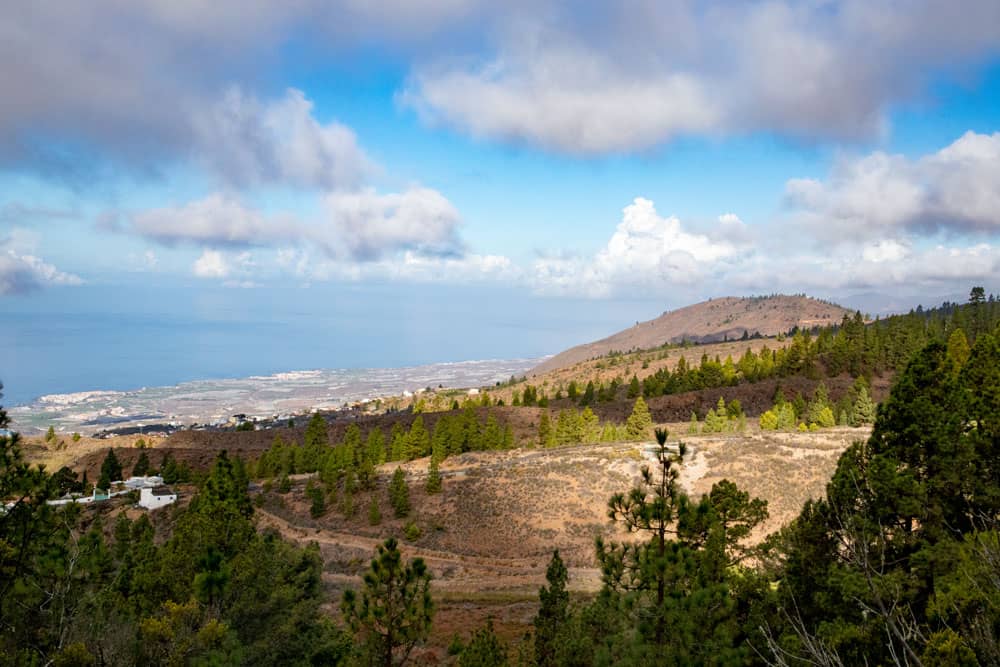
(631, 76)
(22, 272)
(211, 264)
(218, 220)
(646, 251)
(250, 143)
(359, 225)
(956, 190)
(137, 95)
(369, 224)
(569, 99)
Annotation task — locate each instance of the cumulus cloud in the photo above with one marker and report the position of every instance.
(22, 272)
(217, 220)
(646, 250)
(631, 76)
(370, 224)
(217, 264)
(211, 264)
(955, 190)
(355, 225)
(249, 143)
(569, 99)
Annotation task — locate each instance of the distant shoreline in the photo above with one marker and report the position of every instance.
(282, 395)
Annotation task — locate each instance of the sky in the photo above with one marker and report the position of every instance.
(573, 155)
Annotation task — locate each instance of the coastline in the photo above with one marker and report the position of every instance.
(214, 403)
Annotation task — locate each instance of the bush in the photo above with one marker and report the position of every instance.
(412, 532)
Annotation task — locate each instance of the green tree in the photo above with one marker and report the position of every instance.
(394, 610)
(639, 423)
(317, 499)
(768, 421)
(418, 440)
(863, 410)
(484, 649)
(399, 494)
(111, 470)
(433, 477)
(374, 513)
(546, 436)
(141, 467)
(634, 388)
(552, 612)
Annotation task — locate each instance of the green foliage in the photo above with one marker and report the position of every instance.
(394, 610)
(768, 421)
(552, 612)
(484, 649)
(411, 532)
(433, 478)
(894, 561)
(216, 592)
(76, 437)
(863, 409)
(111, 470)
(317, 499)
(546, 436)
(50, 435)
(399, 494)
(673, 596)
(639, 423)
(141, 467)
(374, 513)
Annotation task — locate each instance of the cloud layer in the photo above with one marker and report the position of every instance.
(955, 190)
(631, 76)
(583, 79)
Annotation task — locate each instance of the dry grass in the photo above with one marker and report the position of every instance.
(488, 536)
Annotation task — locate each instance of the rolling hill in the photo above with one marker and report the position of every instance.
(713, 320)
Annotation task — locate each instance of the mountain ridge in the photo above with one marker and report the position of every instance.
(714, 320)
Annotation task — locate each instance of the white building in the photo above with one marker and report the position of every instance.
(155, 497)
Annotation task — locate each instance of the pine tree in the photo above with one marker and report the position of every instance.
(111, 470)
(769, 421)
(141, 467)
(374, 514)
(693, 425)
(418, 440)
(552, 612)
(394, 610)
(863, 411)
(399, 494)
(375, 446)
(433, 477)
(634, 389)
(639, 423)
(546, 436)
(484, 649)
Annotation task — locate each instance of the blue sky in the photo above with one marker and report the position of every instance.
(654, 153)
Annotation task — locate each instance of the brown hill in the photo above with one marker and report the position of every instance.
(713, 320)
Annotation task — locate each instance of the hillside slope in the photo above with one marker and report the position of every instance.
(709, 321)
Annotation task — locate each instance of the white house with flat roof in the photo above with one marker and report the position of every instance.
(156, 497)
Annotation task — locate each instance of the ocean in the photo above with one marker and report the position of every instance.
(95, 356)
